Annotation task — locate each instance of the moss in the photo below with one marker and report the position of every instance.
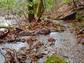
(66, 1)
(55, 59)
(79, 15)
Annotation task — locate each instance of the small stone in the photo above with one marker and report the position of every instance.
(51, 40)
(3, 32)
(82, 41)
(40, 55)
(45, 52)
(23, 33)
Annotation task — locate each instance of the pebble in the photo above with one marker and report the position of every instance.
(3, 32)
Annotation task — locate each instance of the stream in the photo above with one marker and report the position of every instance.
(65, 45)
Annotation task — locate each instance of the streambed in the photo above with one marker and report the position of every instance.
(65, 45)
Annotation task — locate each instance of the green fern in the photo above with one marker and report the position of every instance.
(39, 6)
(48, 4)
(67, 1)
(8, 4)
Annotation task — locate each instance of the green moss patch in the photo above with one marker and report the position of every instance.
(55, 59)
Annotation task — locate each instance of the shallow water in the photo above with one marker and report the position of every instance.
(65, 46)
(1, 58)
(16, 46)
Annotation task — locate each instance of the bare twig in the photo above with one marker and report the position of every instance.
(15, 57)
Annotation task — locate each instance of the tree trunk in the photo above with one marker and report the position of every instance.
(41, 9)
(30, 14)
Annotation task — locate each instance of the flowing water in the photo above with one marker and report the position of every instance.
(65, 46)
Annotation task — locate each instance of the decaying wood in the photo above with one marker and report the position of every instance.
(65, 10)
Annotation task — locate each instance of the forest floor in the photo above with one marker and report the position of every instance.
(33, 43)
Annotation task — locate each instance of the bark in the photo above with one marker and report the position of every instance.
(40, 9)
(30, 14)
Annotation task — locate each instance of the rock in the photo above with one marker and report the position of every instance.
(40, 55)
(82, 41)
(23, 33)
(71, 16)
(51, 40)
(3, 32)
(4, 25)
